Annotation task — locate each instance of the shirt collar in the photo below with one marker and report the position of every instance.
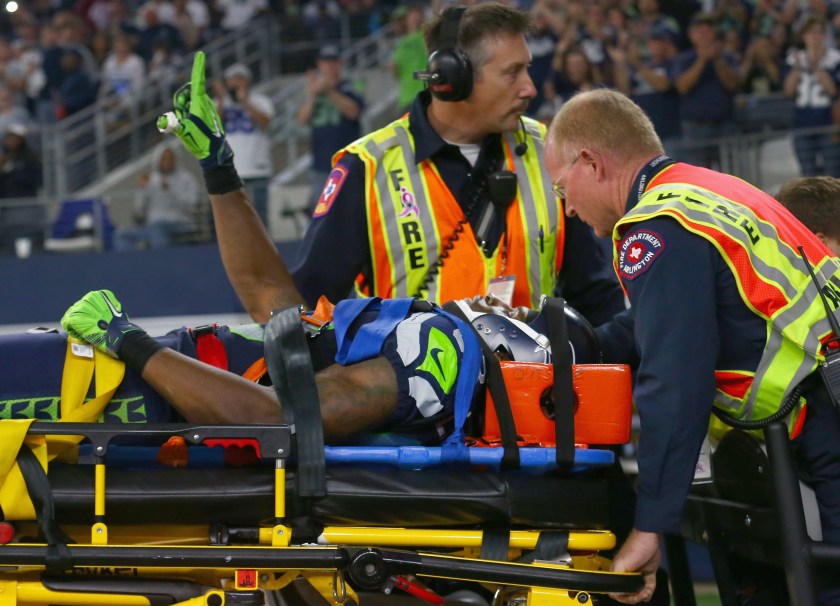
(427, 141)
(644, 177)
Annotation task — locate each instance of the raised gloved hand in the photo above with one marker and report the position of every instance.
(196, 122)
(98, 319)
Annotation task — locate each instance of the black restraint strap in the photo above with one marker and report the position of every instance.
(552, 545)
(494, 544)
(563, 392)
(496, 385)
(290, 368)
(58, 555)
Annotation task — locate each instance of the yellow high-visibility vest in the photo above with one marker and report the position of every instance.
(758, 239)
(411, 215)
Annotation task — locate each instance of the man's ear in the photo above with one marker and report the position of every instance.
(593, 163)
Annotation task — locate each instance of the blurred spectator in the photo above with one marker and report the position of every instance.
(332, 109)
(97, 14)
(123, 73)
(650, 15)
(163, 68)
(732, 16)
(362, 18)
(541, 42)
(163, 9)
(820, 9)
(409, 54)
(767, 14)
(156, 33)
(323, 18)
(761, 72)
(53, 74)
(815, 201)
(246, 116)
(20, 167)
(12, 111)
(6, 55)
(121, 21)
(20, 177)
(706, 78)
(24, 71)
(593, 35)
(647, 81)
(191, 18)
(813, 78)
(732, 43)
(73, 34)
(100, 47)
(77, 89)
(165, 205)
(571, 72)
(619, 26)
(236, 13)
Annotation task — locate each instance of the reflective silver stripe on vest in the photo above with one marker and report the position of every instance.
(527, 207)
(766, 271)
(389, 210)
(529, 200)
(774, 345)
(765, 228)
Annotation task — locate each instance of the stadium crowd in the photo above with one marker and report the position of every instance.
(690, 64)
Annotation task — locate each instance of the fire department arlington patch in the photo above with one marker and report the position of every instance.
(637, 253)
(330, 193)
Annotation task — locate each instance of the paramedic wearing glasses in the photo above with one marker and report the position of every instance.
(726, 314)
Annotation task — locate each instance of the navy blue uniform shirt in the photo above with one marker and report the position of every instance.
(336, 247)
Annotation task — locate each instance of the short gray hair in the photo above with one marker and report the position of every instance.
(607, 122)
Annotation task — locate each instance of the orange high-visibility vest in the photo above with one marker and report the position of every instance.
(411, 214)
(758, 239)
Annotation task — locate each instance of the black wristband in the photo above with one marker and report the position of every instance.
(222, 179)
(136, 349)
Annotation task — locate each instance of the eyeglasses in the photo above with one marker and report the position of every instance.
(559, 190)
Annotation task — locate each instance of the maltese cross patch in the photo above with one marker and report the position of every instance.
(637, 252)
(330, 192)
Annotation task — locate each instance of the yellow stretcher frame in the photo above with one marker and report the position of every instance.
(106, 564)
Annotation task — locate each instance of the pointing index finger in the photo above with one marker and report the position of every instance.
(197, 80)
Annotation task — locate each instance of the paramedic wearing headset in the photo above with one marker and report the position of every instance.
(396, 198)
(706, 260)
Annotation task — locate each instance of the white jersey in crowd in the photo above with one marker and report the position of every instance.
(250, 144)
(809, 91)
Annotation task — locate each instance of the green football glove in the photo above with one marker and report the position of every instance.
(196, 122)
(98, 319)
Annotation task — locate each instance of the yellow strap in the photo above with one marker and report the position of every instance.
(14, 498)
(81, 363)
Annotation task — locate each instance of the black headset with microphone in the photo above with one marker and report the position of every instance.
(449, 71)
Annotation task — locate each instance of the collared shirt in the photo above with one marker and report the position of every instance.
(336, 246)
